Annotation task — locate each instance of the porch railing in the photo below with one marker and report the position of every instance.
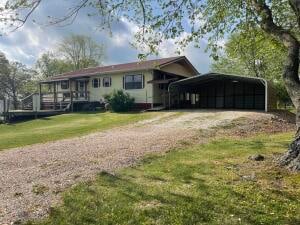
(65, 96)
(62, 100)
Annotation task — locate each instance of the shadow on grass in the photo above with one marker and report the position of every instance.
(182, 187)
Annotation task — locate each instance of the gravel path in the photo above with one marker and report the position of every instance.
(33, 177)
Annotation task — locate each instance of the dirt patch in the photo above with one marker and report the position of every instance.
(33, 177)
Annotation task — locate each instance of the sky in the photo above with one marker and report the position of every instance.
(29, 42)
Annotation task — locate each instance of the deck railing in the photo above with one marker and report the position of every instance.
(65, 96)
(62, 100)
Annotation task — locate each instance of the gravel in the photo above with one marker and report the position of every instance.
(33, 177)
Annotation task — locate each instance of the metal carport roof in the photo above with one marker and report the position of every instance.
(189, 83)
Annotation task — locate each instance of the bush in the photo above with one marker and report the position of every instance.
(119, 101)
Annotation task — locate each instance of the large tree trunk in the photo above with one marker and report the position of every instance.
(291, 158)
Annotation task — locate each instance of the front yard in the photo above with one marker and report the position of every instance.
(63, 126)
(213, 183)
(196, 169)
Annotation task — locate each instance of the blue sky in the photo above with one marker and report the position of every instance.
(30, 41)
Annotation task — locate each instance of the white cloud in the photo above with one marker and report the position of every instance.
(28, 43)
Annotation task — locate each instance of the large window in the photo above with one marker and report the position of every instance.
(106, 81)
(133, 82)
(64, 84)
(96, 82)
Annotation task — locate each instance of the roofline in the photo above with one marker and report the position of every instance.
(94, 67)
(226, 74)
(158, 66)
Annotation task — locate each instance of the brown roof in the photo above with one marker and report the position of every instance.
(133, 66)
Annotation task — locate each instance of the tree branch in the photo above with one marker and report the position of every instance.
(295, 5)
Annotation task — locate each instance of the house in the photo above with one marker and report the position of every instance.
(146, 81)
(168, 82)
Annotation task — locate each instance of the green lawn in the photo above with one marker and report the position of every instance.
(62, 126)
(203, 184)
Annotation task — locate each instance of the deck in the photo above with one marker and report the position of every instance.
(19, 114)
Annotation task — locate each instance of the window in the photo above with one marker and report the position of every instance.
(106, 81)
(133, 82)
(64, 84)
(96, 83)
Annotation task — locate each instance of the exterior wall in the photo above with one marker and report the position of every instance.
(36, 104)
(144, 95)
(177, 68)
(157, 94)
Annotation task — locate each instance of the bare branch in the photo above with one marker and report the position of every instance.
(35, 4)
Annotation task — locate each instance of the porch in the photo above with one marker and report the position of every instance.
(62, 94)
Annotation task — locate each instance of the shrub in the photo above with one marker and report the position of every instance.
(119, 101)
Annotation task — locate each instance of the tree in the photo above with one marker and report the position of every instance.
(14, 80)
(4, 70)
(82, 51)
(48, 65)
(191, 20)
(251, 52)
(72, 53)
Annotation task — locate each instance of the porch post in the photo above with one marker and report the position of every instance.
(54, 95)
(71, 95)
(40, 94)
(169, 100)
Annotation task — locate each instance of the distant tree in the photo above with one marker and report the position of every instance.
(4, 70)
(251, 52)
(48, 65)
(15, 80)
(81, 51)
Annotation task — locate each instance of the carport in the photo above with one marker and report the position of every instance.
(222, 91)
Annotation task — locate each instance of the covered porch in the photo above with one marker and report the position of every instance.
(62, 94)
(161, 81)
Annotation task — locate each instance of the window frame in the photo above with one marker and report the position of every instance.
(66, 82)
(98, 84)
(104, 83)
(134, 87)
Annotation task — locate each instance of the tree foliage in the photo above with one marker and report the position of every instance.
(72, 53)
(81, 51)
(49, 65)
(251, 52)
(15, 80)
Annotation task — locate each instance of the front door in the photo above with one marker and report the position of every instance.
(81, 88)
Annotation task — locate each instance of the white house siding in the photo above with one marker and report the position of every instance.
(144, 95)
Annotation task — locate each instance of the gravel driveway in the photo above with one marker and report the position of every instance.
(33, 177)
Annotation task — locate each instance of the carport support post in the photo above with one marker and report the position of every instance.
(169, 99)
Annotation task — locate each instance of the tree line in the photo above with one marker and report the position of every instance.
(72, 53)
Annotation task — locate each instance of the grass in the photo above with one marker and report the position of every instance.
(63, 126)
(203, 184)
